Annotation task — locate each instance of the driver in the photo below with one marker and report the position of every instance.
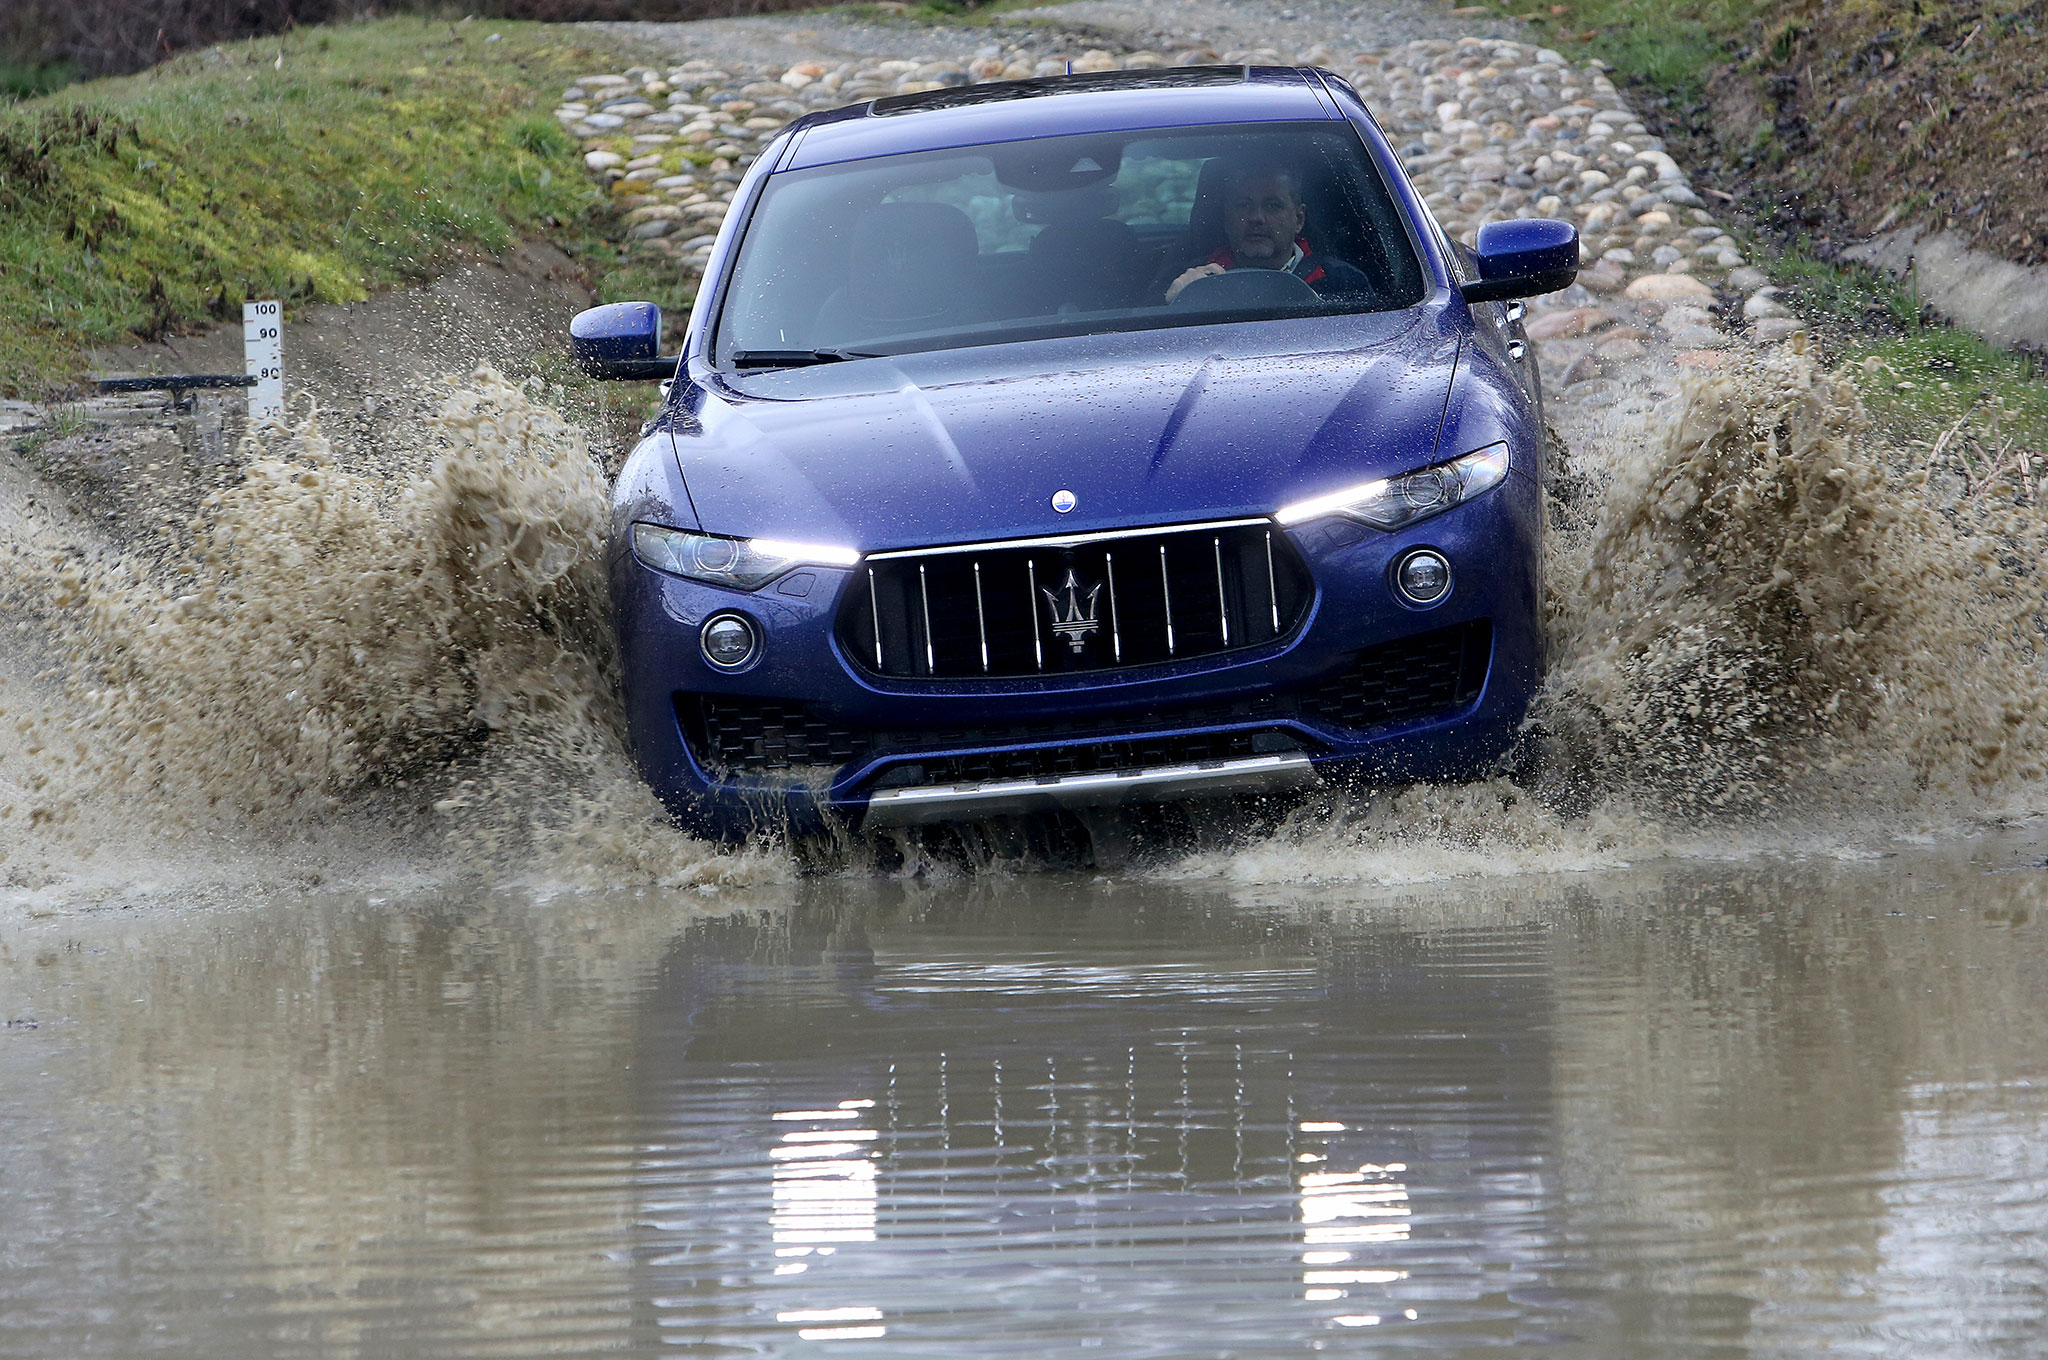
(1262, 222)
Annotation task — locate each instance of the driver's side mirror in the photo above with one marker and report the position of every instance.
(622, 341)
(1523, 257)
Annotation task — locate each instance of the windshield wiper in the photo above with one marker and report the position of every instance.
(792, 358)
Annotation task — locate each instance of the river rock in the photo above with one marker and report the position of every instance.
(1670, 288)
(1602, 278)
(1562, 325)
(1699, 337)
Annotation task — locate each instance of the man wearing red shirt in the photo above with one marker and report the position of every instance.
(1262, 221)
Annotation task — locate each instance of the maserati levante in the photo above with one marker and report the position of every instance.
(1050, 446)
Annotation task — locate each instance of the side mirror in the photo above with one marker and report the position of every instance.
(1522, 258)
(621, 341)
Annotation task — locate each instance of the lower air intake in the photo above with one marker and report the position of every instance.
(732, 736)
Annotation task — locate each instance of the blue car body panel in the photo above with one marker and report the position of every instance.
(1202, 422)
(1159, 427)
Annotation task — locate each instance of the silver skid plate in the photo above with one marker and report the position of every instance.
(1005, 797)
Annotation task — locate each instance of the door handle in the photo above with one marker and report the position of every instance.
(1516, 349)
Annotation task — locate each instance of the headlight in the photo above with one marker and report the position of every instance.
(743, 563)
(1393, 502)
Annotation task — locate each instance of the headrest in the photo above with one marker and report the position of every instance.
(910, 259)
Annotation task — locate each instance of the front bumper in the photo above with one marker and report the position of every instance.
(921, 805)
(874, 753)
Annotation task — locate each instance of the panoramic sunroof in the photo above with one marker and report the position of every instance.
(1094, 82)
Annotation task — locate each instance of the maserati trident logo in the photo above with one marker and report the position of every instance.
(1062, 501)
(1073, 610)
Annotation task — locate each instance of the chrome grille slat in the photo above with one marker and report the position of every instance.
(1272, 582)
(1059, 606)
(1222, 604)
(1166, 594)
(1116, 636)
(1037, 643)
(875, 605)
(980, 617)
(924, 598)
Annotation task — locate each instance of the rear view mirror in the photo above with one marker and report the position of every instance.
(621, 341)
(1522, 258)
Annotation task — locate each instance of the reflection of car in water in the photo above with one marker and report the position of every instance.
(951, 514)
(1135, 1120)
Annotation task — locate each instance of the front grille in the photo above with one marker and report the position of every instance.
(1416, 677)
(1058, 606)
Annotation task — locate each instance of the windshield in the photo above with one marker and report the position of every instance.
(1061, 236)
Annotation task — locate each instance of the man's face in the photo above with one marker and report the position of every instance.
(1261, 217)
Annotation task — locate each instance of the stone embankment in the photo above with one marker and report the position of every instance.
(1489, 129)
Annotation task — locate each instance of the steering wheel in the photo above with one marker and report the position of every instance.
(1244, 290)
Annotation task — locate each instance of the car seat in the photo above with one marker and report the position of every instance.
(1081, 258)
(1205, 235)
(910, 267)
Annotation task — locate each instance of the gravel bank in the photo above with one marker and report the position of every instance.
(1490, 126)
(1133, 25)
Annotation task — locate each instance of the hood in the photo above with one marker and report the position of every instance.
(1153, 427)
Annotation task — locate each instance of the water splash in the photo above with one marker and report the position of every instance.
(1771, 608)
(1766, 623)
(415, 635)
(1769, 630)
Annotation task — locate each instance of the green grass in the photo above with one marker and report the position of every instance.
(1918, 377)
(22, 80)
(1671, 43)
(316, 167)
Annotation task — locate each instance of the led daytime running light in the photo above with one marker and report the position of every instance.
(741, 563)
(1393, 502)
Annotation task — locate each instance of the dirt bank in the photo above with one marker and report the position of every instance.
(504, 312)
(1908, 136)
(362, 365)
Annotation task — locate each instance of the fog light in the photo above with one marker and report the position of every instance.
(1423, 576)
(729, 641)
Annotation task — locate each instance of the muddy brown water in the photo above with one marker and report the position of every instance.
(1777, 1107)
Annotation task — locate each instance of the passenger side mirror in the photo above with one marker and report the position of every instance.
(621, 341)
(1523, 257)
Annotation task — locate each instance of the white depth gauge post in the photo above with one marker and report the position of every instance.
(263, 358)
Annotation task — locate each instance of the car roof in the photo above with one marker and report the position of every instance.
(1054, 106)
